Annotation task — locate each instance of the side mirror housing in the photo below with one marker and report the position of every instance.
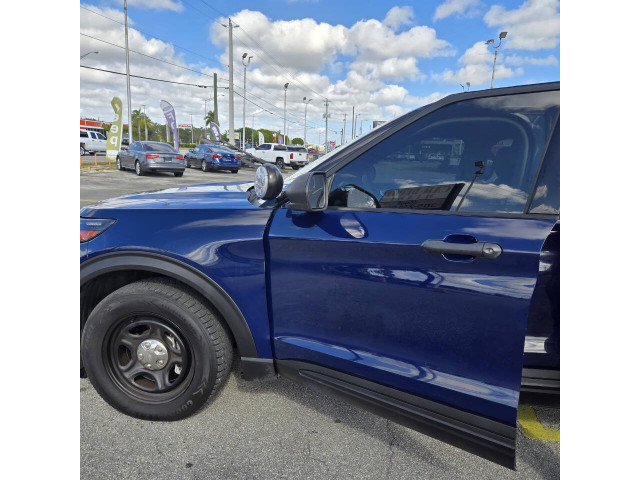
(268, 182)
(308, 192)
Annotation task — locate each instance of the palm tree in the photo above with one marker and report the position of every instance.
(210, 118)
(139, 118)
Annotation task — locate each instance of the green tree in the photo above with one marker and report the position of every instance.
(297, 141)
(210, 118)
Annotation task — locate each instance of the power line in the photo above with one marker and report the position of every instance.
(146, 78)
(148, 56)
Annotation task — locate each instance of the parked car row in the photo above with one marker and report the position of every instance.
(144, 157)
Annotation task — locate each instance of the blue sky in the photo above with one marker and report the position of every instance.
(385, 58)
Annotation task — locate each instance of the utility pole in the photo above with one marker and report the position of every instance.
(126, 48)
(284, 130)
(326, 125)
(306, 102)
(360, 127)
(244, 98)
(232, 136)
(215, 99)
(353, 121)
(144, 109)
(344, 129)
(192, 128)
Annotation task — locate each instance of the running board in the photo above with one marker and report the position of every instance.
(484, 437)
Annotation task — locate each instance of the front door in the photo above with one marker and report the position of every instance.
(410, 293)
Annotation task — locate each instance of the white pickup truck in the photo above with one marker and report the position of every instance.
(282, 155)
(91, 142)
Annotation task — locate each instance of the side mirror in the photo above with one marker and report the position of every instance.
(191, 151)
(268, 182)
(308, 192)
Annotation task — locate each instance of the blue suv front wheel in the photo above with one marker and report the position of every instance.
(153, 350)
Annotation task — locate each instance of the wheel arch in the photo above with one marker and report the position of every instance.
(143, 265)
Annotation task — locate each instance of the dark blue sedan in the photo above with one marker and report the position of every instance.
(413, 271)
(213, 158)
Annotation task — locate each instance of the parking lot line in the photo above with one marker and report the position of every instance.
(532, 428)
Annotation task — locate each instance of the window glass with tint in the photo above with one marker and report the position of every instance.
(100, 136)
(546, 195)
(159, 147)
(477, 155)
(84, 135)
(280, 147)
(264, 146)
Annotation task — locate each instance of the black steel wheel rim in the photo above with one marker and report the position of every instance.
(120, 355)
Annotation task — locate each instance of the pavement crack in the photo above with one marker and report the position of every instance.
(392, 453)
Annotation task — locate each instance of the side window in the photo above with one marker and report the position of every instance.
(264, 146)
(84, 135)
(134, 146)
(100, 136)
(93, 135)
(476, 155)
(280, 148)
(546, 195)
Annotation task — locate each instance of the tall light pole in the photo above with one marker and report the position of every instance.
(144, 110)
(306, 102)
(82, 56)
(284, 131)
(495, 55)
(244, 97)
(355, 125)
(232, 133)
(191, 127)
(126, 48)
(326, 125)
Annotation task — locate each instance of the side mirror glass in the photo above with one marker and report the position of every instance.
(268, 182)
(308, 192)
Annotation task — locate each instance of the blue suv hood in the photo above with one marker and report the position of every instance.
(221, 195)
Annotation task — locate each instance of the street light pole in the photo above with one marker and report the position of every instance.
(306, 102)
(495, 54)
(244, 98)
(232, 133)
(144, 109)
(284, 131)
(126, 48)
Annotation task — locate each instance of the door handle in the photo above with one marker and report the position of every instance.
(478, 249)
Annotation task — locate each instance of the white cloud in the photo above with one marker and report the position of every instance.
(392, 68)
(457, 7)
(398, 16)
(421, 101)
(517, 60)
(389, 95)
(532, 26)
(369, 57)
(477, 65)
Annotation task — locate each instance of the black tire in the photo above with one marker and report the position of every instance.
(178, 174)
(139, 171)
(82, 152)
(187, 164)
(234, 171)
(176, 316)
(118, 164)
(203, 166)
(280, 163)
(295, 167)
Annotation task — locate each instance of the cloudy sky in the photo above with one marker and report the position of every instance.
(384, 58)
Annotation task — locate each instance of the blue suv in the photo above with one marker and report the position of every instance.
(414, 271)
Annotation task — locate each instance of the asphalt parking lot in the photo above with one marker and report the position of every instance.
(275, 428)
(108, 183)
